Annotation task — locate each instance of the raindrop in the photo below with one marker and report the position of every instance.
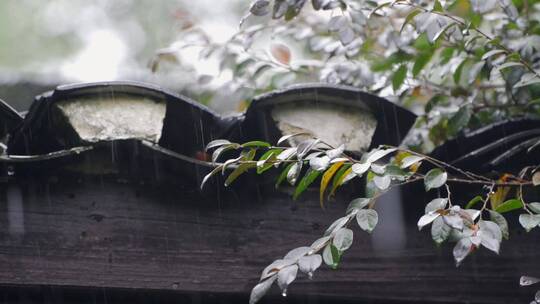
(526, 281)
(284, 293)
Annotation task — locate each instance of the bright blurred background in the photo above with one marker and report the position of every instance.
(46, 43)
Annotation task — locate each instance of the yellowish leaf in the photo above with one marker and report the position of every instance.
(281, 53)
(327, 177)
(339, 182)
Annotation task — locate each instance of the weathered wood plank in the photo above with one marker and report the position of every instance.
(102, 232)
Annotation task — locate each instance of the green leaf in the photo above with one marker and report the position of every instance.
(474, 201)
(459, 120)
(457, 72)
(437, 7)
(447, 54)
(283, 175)
(262, 166)
(421, 62)
(242, 168)
(307, 180)
(399, 77)
(331, 256)
(367, 219)
(509, 205)
(498, 219)
(409, 18)
(256, 143)
(435, 178)
(339, 177)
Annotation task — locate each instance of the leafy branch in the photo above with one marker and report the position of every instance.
(383, 168)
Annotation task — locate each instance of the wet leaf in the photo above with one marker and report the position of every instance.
(527, 281)
(217, 143)
(454, 221)
(360, 168)
(477, 199)
(501, 221)
(459, 120)
(306, 146)
(509, 205)
(281, 53)
(332, 154)
(367, 219)
(217, 153)
(284, 138)
(529, 221)
(410, 160)
(287, 154)
(409, 18)
(270, 155)
(261, 289)
(337, 22)
(307, 180)
(207, 176)
(242, 168)
(490, 235)
(536, 178)
(286, 276)
(284, 174)
(260, 7)
(462, 250)
(273, 268)
(526, 80)
(420, 62)
(331, 256)
(427, 219)
(382, 182)
(436, 204)
(508, 65)
(339, 176)
(346, 35)
(294, 173)
(256, 143)
(535, 207)
(357, 204)
(321, 242)
(399, 77)
(440, 231)
(308, 264)
(492, 53)
(343, 239)
(327, 177)
(377, 154)
(319, 163)
(336, 225)
(435, 178)
(297, 253)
